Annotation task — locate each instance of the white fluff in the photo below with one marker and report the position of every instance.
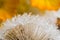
(40, 27)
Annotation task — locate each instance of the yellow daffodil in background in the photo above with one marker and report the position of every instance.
(4, 15)
(8, 9)
(46, 4)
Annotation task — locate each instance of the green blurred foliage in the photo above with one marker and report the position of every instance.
(23, 7)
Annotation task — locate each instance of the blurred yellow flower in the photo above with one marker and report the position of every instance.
(46, 4)
(4, 15)
(8, 9)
